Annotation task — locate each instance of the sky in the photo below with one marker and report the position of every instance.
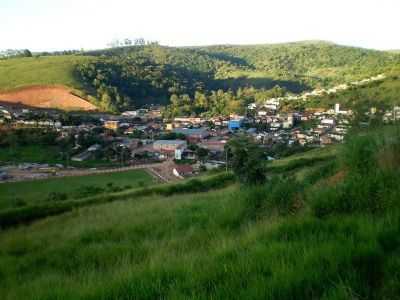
(48, 25)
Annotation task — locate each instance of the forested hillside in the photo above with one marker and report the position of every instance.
(315, 62)
(198, 78)
(140, 75)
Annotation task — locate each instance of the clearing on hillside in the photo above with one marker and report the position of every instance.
(59, 97)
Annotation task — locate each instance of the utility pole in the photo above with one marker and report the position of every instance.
(226, 159)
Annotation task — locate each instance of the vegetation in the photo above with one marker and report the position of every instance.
(42, 191)
(213, 80)
(45, 145)
(57, 205)
(331, 235)
(380, 94)
(223, 78)
(315, 62)
(49, 70)
(246, 160)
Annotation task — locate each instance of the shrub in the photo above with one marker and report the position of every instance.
(281, 195)
(88, 190)
(359, 154)
(18, 202)
(369, 186)
(285, 195)
(57, 196)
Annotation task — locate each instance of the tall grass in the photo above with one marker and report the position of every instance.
(280, 240)
(371, 164)
(21, 215)
(199, 247)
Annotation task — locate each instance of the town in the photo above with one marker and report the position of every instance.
(172, 149)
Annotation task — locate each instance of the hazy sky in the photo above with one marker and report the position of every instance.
(88, 24)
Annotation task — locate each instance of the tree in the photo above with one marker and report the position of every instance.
(246, 160)
(27, 53)
(201, 153)
(127, 42)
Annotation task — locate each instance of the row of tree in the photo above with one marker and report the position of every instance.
(219, 103)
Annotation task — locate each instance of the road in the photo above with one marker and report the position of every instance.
(160, 171)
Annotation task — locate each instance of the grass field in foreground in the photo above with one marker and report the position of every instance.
(322, 237)
(38, 191)
(196, 246)
(48, 70)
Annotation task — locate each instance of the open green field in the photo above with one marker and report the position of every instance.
(47, 70)
(35, 192)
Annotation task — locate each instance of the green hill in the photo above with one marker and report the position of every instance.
(332, 233)
(381, 94)
(46, 70)
(126, 77)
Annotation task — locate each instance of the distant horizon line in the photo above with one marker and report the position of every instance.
(311, 41)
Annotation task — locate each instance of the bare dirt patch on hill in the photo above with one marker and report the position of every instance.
(59, 97)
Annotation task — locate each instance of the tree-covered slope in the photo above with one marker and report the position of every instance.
(127, 77)
(315, 62)
(139, 75)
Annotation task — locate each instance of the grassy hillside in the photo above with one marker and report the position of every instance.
(314, 62)
(46, 70)
(381, 94)
(334, 234)
(127, 77)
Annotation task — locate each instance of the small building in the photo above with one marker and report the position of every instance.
(328, 122)
(94, 148)
(82, 156)
(213, 145)
(183, 171)
(131, 114)
(169, 145)
(188, 120)
(325, 140)
(193, 133)
(3, 175)
(235, 124)
(113, 125)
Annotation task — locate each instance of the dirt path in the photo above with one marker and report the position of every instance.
(160, 171)
(44, 96)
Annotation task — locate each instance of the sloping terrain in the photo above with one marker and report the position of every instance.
(46, 70)
(130, 77)
(44, 96)
(44, 82)
(330, 235)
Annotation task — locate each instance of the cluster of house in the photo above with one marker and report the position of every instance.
(145, 137)
(320, 92)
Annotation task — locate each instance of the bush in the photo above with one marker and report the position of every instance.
(285, 195)
(56, 196)
(18, 202)
(89, 190)
(370, 186)
(280, 195)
